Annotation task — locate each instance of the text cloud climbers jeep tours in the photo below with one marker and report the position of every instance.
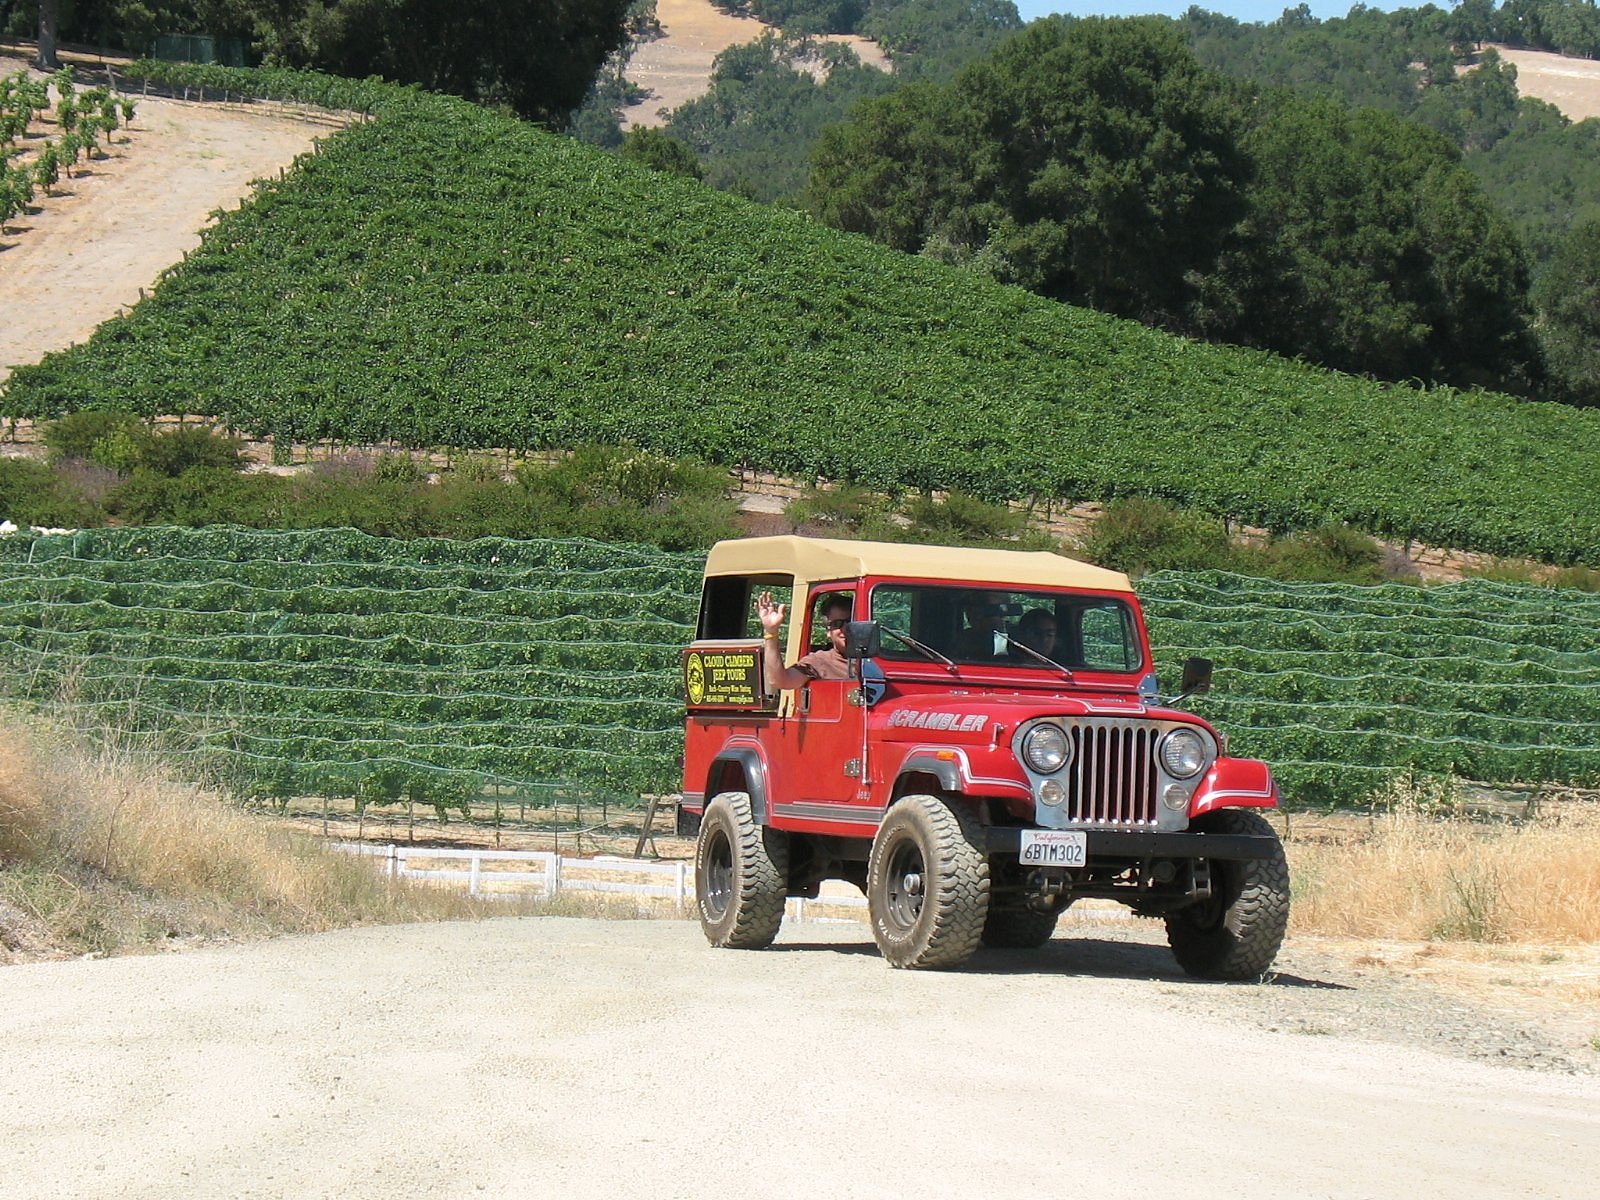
(998, 752)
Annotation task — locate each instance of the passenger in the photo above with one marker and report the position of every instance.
(827, 663)
(1037, 631)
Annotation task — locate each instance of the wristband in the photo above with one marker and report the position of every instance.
(771, 637)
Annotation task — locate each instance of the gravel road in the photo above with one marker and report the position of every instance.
(582, 1058)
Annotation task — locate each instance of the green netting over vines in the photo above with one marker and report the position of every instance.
(1338, 685)
(334, 663)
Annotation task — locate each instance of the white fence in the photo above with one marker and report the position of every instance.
(543, 874)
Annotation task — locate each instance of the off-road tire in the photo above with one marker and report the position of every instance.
(1017, 928)
(1237, 932)
(927, 883)
(741, 875)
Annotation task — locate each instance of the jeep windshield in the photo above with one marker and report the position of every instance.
(999, 626)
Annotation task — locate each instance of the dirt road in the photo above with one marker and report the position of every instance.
(597, 1059)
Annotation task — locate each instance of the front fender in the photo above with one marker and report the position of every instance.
(1235, 783)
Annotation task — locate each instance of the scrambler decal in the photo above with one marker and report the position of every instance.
(954, 722)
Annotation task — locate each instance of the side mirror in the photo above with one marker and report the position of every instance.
(863, 639)
(1196, 677)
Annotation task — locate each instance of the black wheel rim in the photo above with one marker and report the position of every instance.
(718, 876)
(903, 890)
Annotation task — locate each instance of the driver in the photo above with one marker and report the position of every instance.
(986, 625)
(827, 663)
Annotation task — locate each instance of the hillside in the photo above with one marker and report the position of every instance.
(443, 276)
(1571, 84)
(88, 249)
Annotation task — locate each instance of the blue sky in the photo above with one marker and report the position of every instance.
(1242, 10)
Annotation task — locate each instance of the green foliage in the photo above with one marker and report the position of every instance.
(441, 276)
(97, 434)
(958, 519)
(1341, 687)
(540, 59)
(1392, 262)
(404, 672)
(1137, 536)
(656, 150)
(766, 104)
(171, 452)
(1332, 553)
(125, 442)
(398, 468)
(1120, 181)
(933, 39)
(1568, 300)
(1366, 59)
(1544, 173)
(626, 493)
(848, 512)
(33, 494)
(810, 16)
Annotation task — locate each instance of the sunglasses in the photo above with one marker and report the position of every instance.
(838, 623)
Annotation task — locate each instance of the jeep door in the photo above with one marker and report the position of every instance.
(818, 742)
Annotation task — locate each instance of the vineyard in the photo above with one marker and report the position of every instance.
(442, 276)
(31, 162)
(335, 664)
(1338, 685)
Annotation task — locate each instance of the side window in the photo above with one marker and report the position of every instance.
(823, 601)
(728, 604)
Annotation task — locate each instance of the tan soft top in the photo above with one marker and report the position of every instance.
(815, 560)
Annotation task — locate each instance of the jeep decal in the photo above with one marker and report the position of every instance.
(954, 722)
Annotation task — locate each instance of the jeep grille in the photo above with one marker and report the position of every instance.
(1112, 777)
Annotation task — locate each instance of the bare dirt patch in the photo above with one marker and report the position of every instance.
(1571, 84)
(88, 250)
(676, 69)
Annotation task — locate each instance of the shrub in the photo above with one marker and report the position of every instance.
(1137, 535)
(103, 435)
(398, 468)
(1330, 553)
(477, 468)
(959, 519)
(201, 496)
(654, 149)
(186, 447)
(850, 512)
(32, 493)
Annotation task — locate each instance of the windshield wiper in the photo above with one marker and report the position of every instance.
(927, 651)
(1032, 653)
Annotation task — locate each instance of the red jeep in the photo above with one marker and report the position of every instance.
(997, 753)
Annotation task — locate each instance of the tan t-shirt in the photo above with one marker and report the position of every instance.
(825, 664)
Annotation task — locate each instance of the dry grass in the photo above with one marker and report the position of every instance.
(1421, 868)
(101, 852)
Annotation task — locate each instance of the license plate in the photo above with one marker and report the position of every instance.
(1054, 848)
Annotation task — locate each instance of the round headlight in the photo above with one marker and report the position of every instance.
(1183, 753)
(1046, 748)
